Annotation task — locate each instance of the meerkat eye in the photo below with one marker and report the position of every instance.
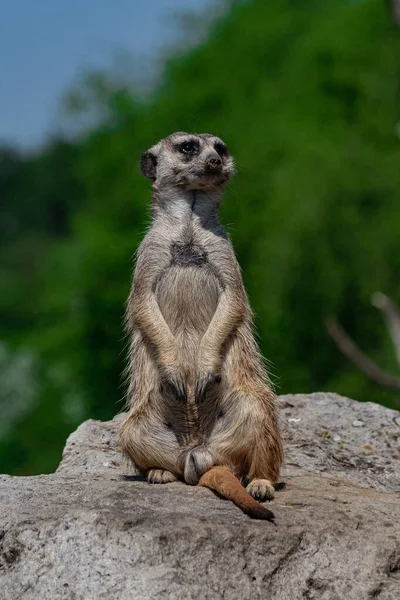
(221, 149)
(187, 148)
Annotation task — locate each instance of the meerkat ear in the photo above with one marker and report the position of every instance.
(148, 162)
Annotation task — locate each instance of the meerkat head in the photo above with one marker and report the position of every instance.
(192, 161)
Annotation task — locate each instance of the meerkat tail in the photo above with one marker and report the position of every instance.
(223, 481)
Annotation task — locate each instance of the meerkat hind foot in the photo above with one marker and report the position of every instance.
(160, 476)
(197, 462)
(261, 489)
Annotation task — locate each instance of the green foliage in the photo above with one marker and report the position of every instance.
(307, 97)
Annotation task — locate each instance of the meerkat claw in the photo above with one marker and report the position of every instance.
(261, 489)
(160, 476)
(200, 390)
(203, 385)
(178, 388)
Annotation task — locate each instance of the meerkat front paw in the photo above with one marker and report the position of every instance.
(160, 476)
(176, 383)
(208, 371)
(261, 489)
(204, 382)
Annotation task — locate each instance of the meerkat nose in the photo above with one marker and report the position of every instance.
(213, 162)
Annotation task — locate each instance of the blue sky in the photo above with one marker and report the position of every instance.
(46, 44)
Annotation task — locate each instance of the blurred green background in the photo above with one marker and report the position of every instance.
(307, 96)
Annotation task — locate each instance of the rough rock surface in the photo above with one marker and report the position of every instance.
(91, 531)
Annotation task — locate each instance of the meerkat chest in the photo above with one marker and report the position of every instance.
(188, 289)
(192, 248)
(188, 254)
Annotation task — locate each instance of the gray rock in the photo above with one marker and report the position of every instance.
(88, 533)
(367, 455)
(92, 449)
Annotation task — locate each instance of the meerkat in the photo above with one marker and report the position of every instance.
(201, 406)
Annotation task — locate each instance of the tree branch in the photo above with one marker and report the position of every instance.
(391, 312)
(369, 368)
(394, 7)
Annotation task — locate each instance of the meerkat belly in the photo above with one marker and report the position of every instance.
(188, 297)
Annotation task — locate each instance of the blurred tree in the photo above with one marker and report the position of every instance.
(391, 313)
(39, 195)
(394, 6)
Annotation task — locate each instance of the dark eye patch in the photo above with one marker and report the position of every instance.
(221, 148)
(189, 147)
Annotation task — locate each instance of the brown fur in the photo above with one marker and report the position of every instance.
(223, 481)
(198, 393)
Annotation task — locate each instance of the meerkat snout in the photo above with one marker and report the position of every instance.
(189, 160)
(213, 163)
